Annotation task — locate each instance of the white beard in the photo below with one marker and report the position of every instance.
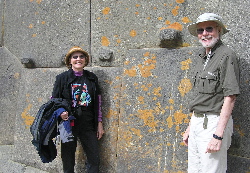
(211, 43)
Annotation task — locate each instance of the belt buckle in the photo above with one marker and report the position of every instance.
(205, 121)
(83, 108)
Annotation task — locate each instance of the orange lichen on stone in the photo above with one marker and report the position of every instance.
(147, 116)
(130, 72)
(185, 45)
(33, 35)
(108, 81)
(146, 54)
(171, 101)
(137, 132)
(185, 64)
(237, 128)
(182, 144)
(185, 86)
(106, 10)
(149, 61)
(31, 26)
(28, 119)
(127, 136)
(145, 70)
(118, 40)
(111, 113)
(185, 20)
(176, 26)
(156, 91)
(126, 62)
(40, 100)
(180, 1)
(144, 88)
(105, 41)
(179, 116)
(175, 11)
(118, 77)
(167, 22)
(141, 99)
(158, 109)
(39, 1)
(170, 121)
(116, 96)
(133, 33)
(171, 107)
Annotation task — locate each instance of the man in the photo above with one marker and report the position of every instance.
(208, 135)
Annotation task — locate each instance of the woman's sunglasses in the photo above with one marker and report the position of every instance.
(81, 57)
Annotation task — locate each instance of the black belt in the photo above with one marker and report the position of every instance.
(78, 111)
(199, 115)
(83, 108)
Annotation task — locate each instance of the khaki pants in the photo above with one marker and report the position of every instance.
(198, 160)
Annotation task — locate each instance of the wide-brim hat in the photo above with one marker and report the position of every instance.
(192, 28)
(75, 49)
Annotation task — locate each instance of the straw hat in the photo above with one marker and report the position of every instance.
(72, 50)
(204, 18)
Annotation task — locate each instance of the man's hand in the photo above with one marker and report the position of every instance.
(185, 136)
(213, 146)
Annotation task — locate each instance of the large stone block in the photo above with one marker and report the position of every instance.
(35, 89)
(1, 19)
(10, 75)
(43, 31)
(155, 110)
(122, 25)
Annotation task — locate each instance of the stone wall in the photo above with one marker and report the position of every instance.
(143, 55)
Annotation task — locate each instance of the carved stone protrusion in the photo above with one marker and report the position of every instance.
(170, 38)
(105, 54)
(27, 63)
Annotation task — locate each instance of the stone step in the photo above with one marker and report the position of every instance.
(7, 165)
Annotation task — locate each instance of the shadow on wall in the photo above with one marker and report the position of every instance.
(239, 151)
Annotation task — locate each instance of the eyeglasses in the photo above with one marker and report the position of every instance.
(81, 57)
(208, 29)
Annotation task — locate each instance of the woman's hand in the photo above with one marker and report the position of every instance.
(65, 116)
(100, 130)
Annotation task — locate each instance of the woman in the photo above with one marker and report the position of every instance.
(80, 87)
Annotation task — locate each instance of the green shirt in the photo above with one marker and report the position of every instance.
(220, 78)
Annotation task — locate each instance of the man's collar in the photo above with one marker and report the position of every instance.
(202, 53)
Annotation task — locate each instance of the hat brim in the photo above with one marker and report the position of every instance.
(192, 28)
(73, 50)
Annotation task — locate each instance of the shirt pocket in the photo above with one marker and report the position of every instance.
(208, 83)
